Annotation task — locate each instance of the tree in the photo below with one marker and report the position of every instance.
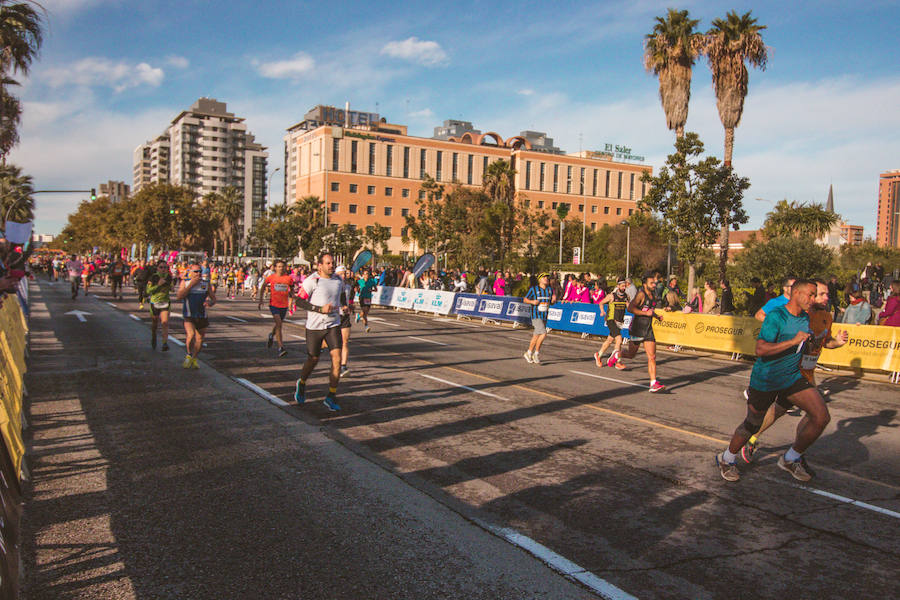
(310, 226)
(167, 216)
(16, 191)
(345, 242)
(798, 219)
(694, 198)
(669, 52)
(772, 259)
(20, 37)
(375, 237)
(227, 212)
(499, 184)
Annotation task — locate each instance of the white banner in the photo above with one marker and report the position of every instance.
(402, 298)
(433, 301)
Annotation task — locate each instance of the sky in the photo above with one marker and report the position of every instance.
(113, 73)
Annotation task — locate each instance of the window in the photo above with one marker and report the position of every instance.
(352, 209)
(526, 203)
(540, 204)
(404, 231)
(335, 186)
(421, 212)
(527, 174)
(619, 193)
(370, 190)
(618, 211)
(541, 183)
(555, 204)
(555, 178)
(353, 154)
(594, 188)
(605, 210)
(631, 189)
(353, 188)
(568, 180)
(581, 183)
(630, 210)
(607, 185)
(371, 158)
(335, 154)
(370, 210)
(352, 227)
(455, 172)
(484, 164)
(422, 164)
(421, 194)
(406, 162)
(581, 208)
(334, 207)
(404, 212)
(593, 227)
(469, 174)
(594, 209)
(388, 211)
(389, 166)
(643, 189)
(404, 193)
(440, 159)
(388, 191)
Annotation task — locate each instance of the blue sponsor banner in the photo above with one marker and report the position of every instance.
(501, 308)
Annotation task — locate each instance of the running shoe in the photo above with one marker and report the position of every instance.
(598, 358)
(612, 360)
(528, 357)
(749, 450)
(331, 402)
(282, 352)
(656, 387)
(165, 347)
(153, 341)
(535, 358)
(368, 329)
(194, 364)
(299, 393)
(344, 370)
(271, 340)
(357, 317)
(141, 307)
(620, 365)
(798, 469)
(729, 471)
(187, 362)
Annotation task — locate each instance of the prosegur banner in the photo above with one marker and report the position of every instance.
(868, 347)
(710, 332)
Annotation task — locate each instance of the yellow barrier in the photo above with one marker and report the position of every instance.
(869, 346)
(12, 370)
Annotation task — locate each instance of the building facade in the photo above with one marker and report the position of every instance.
(373, 175)
(887, 227)
(115, 190)
(207, 149)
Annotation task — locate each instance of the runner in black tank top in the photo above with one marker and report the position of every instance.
(616, 304)
(641, 330)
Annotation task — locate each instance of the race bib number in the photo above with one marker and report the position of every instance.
(809, 362)
(543, 306)
(280, 287)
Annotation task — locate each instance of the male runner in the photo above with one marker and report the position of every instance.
(139, 277)
(540, 297)
(781, 300)
(642, 307)
(347, 294)
(776, 378)
(615, 321)
(320, 295)
(116, 275)
(196, 294)
(74, 266)
(279, 299)
(367, 285)
(820, 320)
(159, 289)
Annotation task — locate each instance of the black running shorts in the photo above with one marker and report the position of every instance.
(199, 323)
(315, 337)
(761, 401)
(614, 329)
(641, 329)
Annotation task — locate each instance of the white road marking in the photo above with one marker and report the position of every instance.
(640, 385)
(846, 500)
(235, 319)
(176, 341)
(294, 335)
(261, 392)
(455, 322)
(412, 337)
(301, 322)
(385, 322)
(465, 387)
(176, 315)
(113, 305)
(135, 317)
(268, 315)
(558, 563)
(79, 314)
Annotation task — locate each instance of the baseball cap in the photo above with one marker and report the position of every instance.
(340, 269)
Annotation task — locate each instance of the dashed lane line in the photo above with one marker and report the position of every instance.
(235, 319)
(412, 337)
(261, 392)
(622, 381)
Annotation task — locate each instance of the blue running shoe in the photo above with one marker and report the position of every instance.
(331, 403)
(300, 393)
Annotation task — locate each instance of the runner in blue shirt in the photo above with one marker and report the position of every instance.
(196, 294)
(776, 377)
(540, 297)
(781, 300)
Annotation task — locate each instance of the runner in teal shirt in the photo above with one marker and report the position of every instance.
(780, 371)
(367, 285)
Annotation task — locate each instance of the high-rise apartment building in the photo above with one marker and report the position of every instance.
(206, 148)
(116, 191)
(887, 228)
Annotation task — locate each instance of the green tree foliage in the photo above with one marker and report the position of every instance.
(774, 258)
(16, 191)
(287, 228)
(344, 242)
(798, 219)
(854, 258)
(21, 35)
(375, 238)
(694, 197)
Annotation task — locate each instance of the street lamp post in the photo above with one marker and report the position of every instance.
(627, 249)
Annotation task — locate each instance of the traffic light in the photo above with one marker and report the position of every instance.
(93, 193)
(171, 211)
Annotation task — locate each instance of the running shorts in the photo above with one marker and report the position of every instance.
(614, 329)
(540, 326)
(315, 337)
(156, 308)
(345, 321)
(277, 310)
(761, 401)
(642, 329)
(200, 323)
(365, 301)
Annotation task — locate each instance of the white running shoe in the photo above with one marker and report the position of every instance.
(528, 357)
(535, 358)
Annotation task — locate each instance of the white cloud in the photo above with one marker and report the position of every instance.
(526, 92)
(179, 62)
(425, 113)
(292, 68)
(423, 52)
(97, 71)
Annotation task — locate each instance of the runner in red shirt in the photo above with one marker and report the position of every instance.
(281, 290)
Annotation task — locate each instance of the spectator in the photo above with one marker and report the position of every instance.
(891, 313)
(710, 303)
(481, 285)
(499, 285)
(834, 289)
(597, 292)
(459, 284)
(673, 287)
(770, 292)
(756, 300)
(726, 304)
(859, 311)
(673, 302)
(695, 304)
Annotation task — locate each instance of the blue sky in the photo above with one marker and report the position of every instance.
(112, 74)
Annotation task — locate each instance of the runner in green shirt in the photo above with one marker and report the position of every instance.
(159, 290)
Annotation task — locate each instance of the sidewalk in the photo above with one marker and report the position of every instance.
(150, 481)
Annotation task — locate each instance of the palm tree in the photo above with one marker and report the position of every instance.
(16, 192)
(20, 39)
(230, 209)
(499, 184)
(799, 219)
(670, 51)
(730, 43)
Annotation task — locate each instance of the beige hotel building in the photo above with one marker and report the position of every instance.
(368, 171)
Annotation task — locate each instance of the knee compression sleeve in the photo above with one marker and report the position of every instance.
(752, 423)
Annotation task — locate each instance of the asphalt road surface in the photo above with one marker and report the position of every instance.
(449, 450)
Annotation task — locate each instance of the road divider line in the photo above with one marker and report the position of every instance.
(465, 387)
(176, 341)
(113, 305)
(135, 317)
(846, 500)
(640, 385)
(412, 337)
(261, 392)
(294, 335)
(455, 322)
(176, 315)
(558, 563)
(267, 315)
(235, 319)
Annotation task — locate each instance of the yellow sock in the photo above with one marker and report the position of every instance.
(753, 439)
(332, 390)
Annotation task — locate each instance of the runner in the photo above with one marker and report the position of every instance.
(139, 277)
(540, 297)
(367, 285)
(776, 378)
(279, 299)
(116, 274)
(617, 302)
(320, 295)
(159, 289)
(74, 267)
(195, 294)
(642, 307)
(777, 301)
(262, 284)
(87, 274)
(347, 294)
(820, 320)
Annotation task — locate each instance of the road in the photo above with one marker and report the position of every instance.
(582, 460)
